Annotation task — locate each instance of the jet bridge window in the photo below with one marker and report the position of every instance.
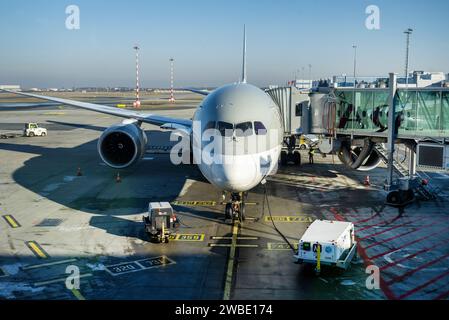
(244, 129)
(225, 128)
(260, 128)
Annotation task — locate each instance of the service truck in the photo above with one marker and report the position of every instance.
(327, 243)
(32, 129)
(160, 222)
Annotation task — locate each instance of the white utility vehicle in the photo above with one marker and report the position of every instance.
(160, 221)
(333, 239)
(32, 129)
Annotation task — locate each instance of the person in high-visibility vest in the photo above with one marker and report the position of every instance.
(311, 154)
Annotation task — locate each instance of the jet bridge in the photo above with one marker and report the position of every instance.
(354, 123)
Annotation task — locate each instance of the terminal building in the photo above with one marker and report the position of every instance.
(10, 87)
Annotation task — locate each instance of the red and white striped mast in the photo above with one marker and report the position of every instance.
(136, 103)
(172, 96)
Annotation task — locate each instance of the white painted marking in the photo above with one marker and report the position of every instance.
(347, 283)
(43, 283)
(96, 266)
(35, 266)
(52, 187)
(416, 258)
(324, 280)
(186, 187)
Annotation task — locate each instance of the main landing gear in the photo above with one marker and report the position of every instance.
(235, 209)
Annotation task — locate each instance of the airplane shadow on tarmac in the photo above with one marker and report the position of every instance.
(52, 174)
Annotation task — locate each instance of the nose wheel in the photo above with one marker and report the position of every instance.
(235, 208)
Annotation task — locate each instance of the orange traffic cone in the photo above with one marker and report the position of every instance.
(366, 182)
(118, 179)
(79, 173)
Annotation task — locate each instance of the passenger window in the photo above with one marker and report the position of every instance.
(260, 128)
(244, 129)
(225, 128)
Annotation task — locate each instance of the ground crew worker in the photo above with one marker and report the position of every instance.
(311, 153)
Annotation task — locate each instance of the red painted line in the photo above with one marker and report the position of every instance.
(337, 215)
(418, 288)
(389, 229)
(405, 275)
(407, 244)
(382, 222)
(391, 264)
(442, 296)
(383, 285)
(367, 261)
(398, 236)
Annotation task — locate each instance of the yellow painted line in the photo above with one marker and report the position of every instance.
(35, 266)
(194, 203)
(37, 249)
(188, 237)
(54, 113)
(280, 246)
(230, 266)
(289, 219)
(246, 203)
(43, 283)
(78, 294)
(231, 245)
(238, 238)
(11, 221)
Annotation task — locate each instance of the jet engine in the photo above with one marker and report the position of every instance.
(122, 145)
(360, 158)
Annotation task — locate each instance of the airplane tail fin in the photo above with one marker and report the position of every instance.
(243, 80)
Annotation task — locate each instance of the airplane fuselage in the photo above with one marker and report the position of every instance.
(248, 134)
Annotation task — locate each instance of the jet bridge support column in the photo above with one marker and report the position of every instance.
(391, 129)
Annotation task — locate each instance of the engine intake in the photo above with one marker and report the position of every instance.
(122, 145)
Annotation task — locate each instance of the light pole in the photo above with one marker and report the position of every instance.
(172, 95)
(408, 32)
(136, 103)
(355, 62)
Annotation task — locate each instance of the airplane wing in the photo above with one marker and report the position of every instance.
(129, 114)
(201, 92)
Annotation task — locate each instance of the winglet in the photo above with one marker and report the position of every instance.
(244, 56)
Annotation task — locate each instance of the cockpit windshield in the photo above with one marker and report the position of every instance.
(244, 129)
(225, 128)
(260, 128)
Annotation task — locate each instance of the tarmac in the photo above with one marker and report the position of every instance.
(54, 221)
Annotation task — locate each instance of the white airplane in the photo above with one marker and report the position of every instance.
(241, 115)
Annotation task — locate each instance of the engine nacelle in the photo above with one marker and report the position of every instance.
(122, 145)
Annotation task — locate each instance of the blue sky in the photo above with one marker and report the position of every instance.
(205, 38)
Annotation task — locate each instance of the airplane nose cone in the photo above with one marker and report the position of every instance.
(236, 174)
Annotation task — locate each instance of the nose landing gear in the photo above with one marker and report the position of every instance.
(235, 209)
